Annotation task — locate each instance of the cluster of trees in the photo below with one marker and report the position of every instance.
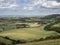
(47, 38)
(50, 28)
(4, 27)
(21, 19)
(2, 43)
(22, 26)
(15, 41)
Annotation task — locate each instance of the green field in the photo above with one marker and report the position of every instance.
(28, 34)
(5, 41)
(34, 32)
(56, 25)
(47, 42)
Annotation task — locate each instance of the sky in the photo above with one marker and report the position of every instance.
(29, 7)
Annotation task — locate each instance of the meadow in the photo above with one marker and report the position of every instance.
(28, 34)
(47, 42)
(29, 31)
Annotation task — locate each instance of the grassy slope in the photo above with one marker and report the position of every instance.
(56, 25)
(6, 41)
(47, 42)
(31, 34)
(28, 33)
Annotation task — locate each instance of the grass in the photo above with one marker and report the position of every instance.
(56, 25)
(6, 41)
(28, 34)
(47, 42)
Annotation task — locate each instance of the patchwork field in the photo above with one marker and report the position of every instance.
(28, 34)
(34, 34)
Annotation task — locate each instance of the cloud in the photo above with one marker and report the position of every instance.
(7, 3)
(51, 4)
(28, 8)
(29, 4)
(43, 3)
(58, 0)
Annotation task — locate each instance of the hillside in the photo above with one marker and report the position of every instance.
(47, 42)
(35, 34)
(4, 41)
(53, 27)
(52, 16)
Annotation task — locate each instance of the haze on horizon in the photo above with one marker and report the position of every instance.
(29, 7)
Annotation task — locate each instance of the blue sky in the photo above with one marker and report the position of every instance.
(29, 7)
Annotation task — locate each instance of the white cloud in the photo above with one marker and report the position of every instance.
(44, 3)
(28, 7)
(51, 4)
(35, 4)
(7, 3)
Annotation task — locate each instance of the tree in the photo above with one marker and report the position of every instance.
(22, 25)
(2, 43)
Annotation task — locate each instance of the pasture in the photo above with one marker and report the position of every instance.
(28, 34)
(47, 42)
(56, 25)
(34, 32)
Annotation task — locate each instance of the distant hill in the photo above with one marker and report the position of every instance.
(52, 16)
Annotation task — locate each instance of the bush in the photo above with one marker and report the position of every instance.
(18, 41)
(52, 37)
(41, 39)
(6, 37)
(36, 40)
(50, 28)
(2, 43)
